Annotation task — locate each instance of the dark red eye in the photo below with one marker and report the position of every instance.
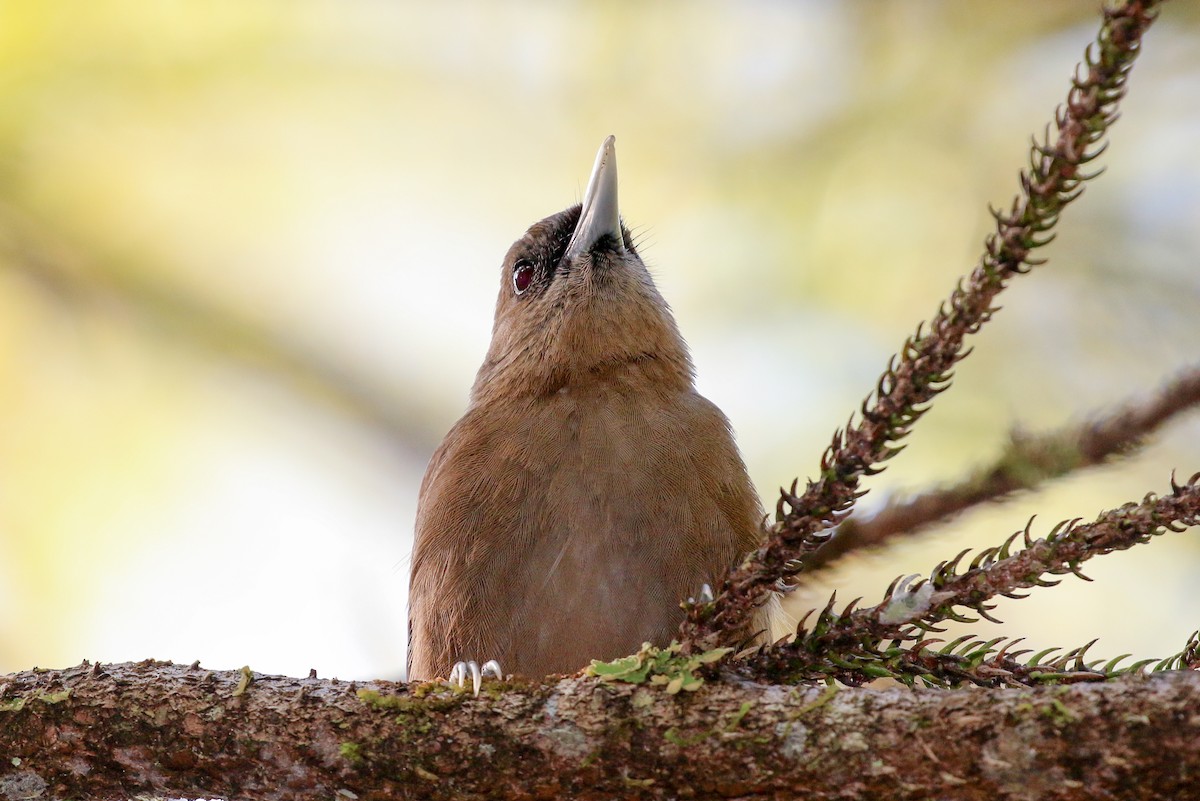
(522, 276)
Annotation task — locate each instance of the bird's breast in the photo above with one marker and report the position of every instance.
(575, 522)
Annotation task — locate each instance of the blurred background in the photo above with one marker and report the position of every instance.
(249, 254)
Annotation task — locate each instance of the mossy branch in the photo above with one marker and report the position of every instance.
(119, 731)
(924, 366)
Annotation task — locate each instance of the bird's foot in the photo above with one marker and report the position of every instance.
(706, 596)
(460, 671)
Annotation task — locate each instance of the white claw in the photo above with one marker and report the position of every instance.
(460, 671)
(458, 674)
(476, 677)
(705, 597)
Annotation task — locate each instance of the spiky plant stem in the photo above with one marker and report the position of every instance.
(1028, 461)
(849, 645)
(966, 660)
(924, 366)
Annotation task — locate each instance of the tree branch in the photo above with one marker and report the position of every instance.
(1027, 462)
(119, 730)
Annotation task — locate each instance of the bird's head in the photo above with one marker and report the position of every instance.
(577, 304)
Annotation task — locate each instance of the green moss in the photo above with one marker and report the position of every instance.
(735, 719)
(1059, 713)
(351, 752)
(380, 701)
(665, 666)
(424, 688)
(414, 703)
(17, 704)
(673, 737)
(820, 701)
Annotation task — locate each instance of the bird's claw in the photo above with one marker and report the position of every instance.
(706, 595)
(460, 671)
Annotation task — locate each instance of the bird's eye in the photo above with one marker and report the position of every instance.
(522, 276)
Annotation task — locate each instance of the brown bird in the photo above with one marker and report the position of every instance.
(589, 488)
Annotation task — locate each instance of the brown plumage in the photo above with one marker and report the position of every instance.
(588, 489)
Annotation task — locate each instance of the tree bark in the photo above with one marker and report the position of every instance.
(117, 730)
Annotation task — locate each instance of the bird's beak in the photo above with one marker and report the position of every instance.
(600, 216)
